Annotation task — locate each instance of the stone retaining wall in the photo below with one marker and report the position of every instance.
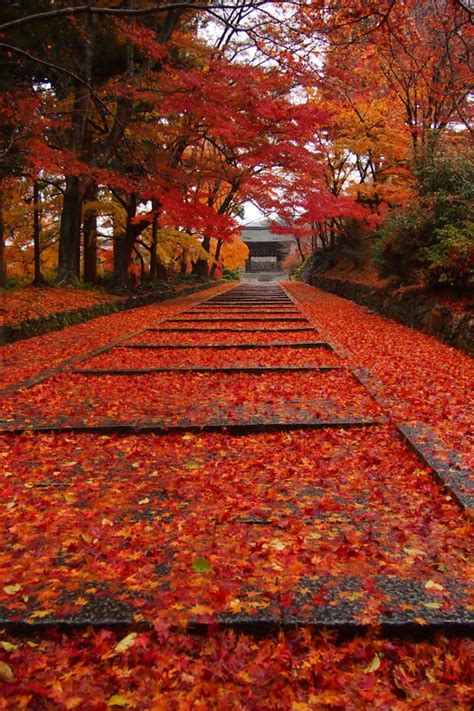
(56, 321)
(410, 308)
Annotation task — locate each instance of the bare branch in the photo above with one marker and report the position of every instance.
(89, 9)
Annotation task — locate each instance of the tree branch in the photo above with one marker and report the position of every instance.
(116, 11)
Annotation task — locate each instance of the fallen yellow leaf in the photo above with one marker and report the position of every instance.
(40, 613)
(374, 664)
(414, 551)
(118, 700)
(6, 673)
(432, 585)
(12, 589)
(277, 544)
(126, 642)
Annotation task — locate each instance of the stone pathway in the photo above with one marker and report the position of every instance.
(237, 470)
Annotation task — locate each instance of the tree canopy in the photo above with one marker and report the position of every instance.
(137, 131)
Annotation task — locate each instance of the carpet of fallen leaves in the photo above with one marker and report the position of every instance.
(195, 525)
(297, 671)
(24, 359)
(37, 302)
(207, 358)
(420, 378)
(237, 337)
(207, 527)
(75, 398)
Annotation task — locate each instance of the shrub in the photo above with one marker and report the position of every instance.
(450, 260)
(433, 234)
(231, 274)
(396, 252)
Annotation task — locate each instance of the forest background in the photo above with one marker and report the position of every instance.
(133, 134)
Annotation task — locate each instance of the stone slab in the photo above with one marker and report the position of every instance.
(229, 329)
(404, 602)
(225, 346)
(249, 308)
(449, 467)
(249, 426)
(344, 603)
(252, 302)
(230, 370)
(227, 319)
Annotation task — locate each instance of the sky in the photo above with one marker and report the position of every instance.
(251, 213)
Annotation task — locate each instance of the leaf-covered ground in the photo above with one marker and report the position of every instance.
(298, 670)
(25, 359)
(423, 379)
(306, 527)
(75, 398)
(194, 338)
(196, 525)
(36, 302)
(232, 357)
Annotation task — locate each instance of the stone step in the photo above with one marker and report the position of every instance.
(230, 370)
(226, 346)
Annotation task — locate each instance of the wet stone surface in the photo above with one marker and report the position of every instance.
(269, 505)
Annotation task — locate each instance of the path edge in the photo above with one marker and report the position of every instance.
(62, 319)
(423, 314)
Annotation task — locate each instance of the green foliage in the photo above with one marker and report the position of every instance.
(231, 274)
(450, 260)
(400, 237)
(433, 234)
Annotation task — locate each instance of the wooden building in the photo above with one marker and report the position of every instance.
(266, 249)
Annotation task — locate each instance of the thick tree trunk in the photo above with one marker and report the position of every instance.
(89, 228)
(123, 247)
(201, 266)
(154, 244)
(3, 265)
(124, 244)
(142, 265)
(69, 260)
(38, 279)
(157, 269)
(69, 232)
(220, 242)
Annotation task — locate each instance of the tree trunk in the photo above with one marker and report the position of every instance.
(3, 266)
(332, 234)
(69, 232)
(201, 266)
(69, 259)
(89, 228)
(300, 250)
(142, 266)
(38, 279)
(123, 248)
(124, 244)
(220, 242)
(154, 244)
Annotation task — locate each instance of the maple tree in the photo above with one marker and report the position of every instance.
(132, 136)
(144, 103)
